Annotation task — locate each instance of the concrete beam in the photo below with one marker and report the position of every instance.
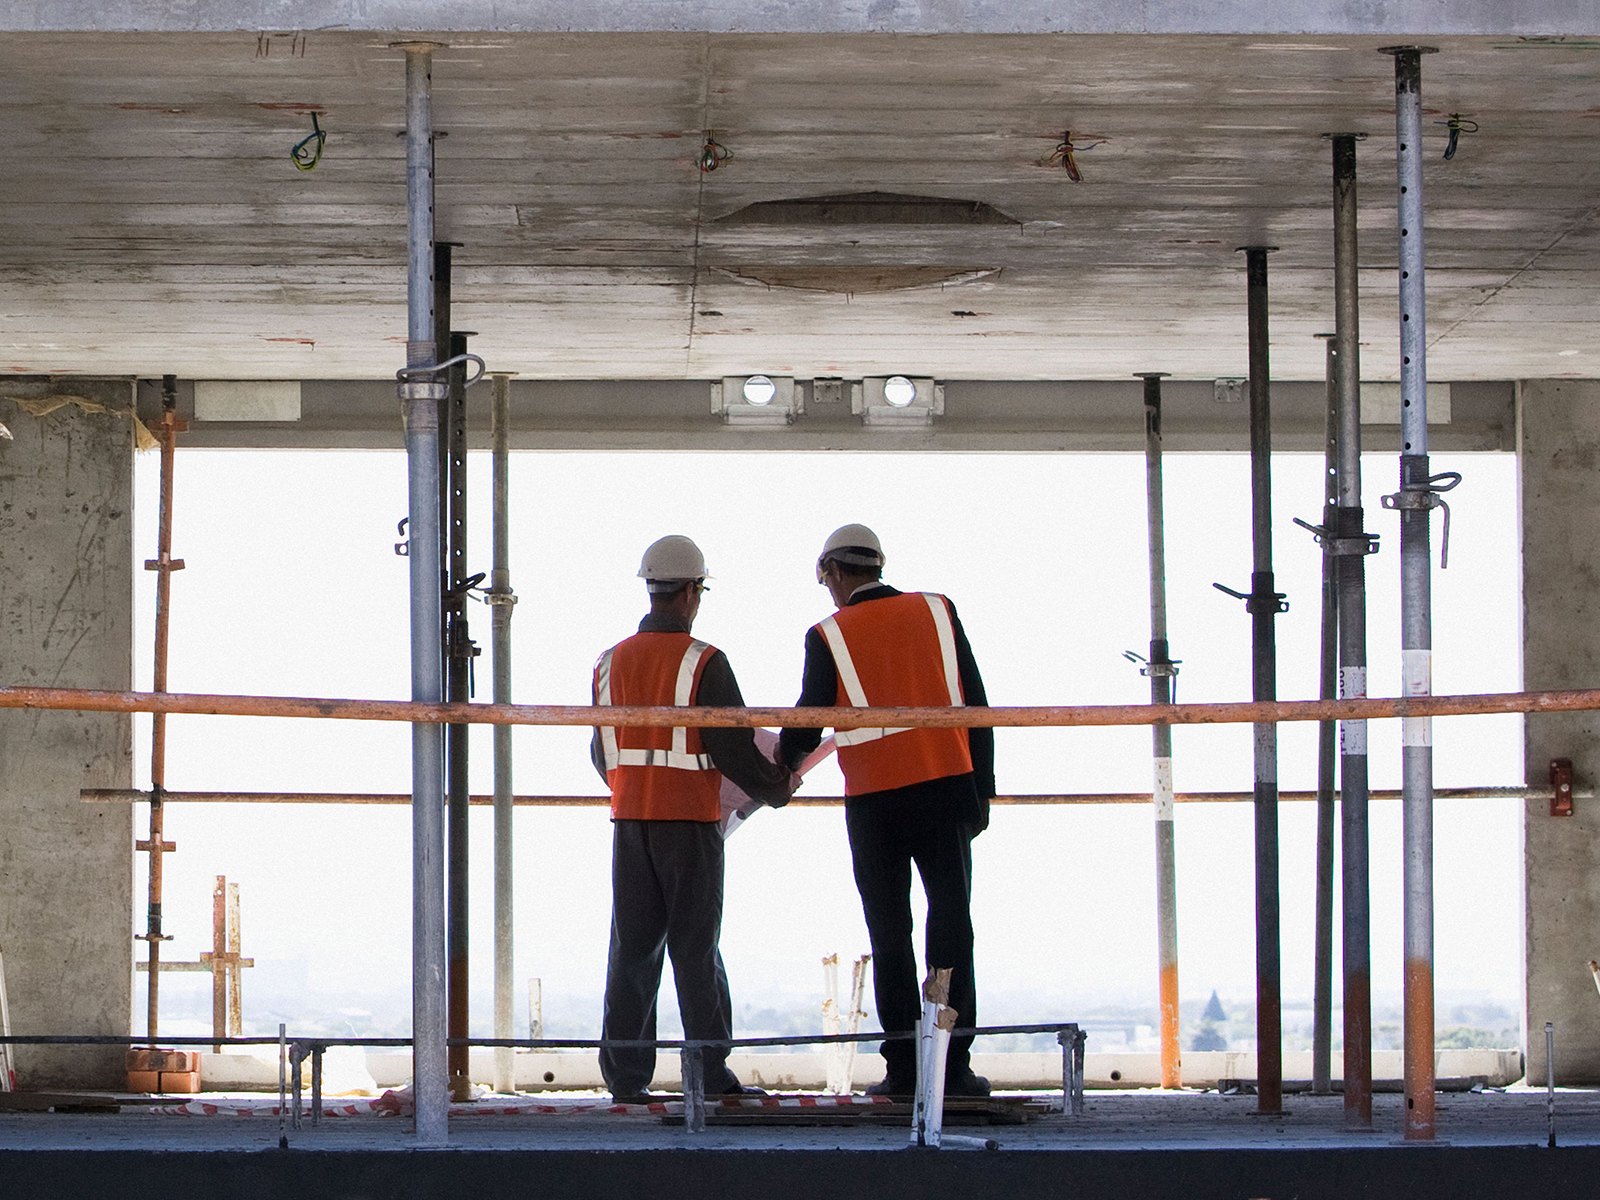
(980, 416)
(66, 869)
(1561, 648)
(1413, 18)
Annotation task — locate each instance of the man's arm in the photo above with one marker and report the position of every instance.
(980, 742)
(597, 755)
(733, 751)
(819, 688)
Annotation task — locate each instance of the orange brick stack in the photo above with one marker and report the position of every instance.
(164, 1071)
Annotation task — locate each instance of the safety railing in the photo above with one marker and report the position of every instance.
(293, 1052)
(658, 716)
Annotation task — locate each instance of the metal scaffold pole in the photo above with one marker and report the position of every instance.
(501, 597)
(420, 393)
(1264, 604)
(1351, 546)
(1161, 669)
(1415, 500)
(459, 651)
(1322, 984)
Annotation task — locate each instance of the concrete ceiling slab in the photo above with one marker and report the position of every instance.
(153, 221)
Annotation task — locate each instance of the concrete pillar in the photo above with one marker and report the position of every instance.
(1560, 460)
(66, 868)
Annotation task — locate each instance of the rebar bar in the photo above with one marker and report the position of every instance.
(1264, 605)
(502, 599)
(1353, 545)
(1416, 604)
(1161, 669)
(420, 401)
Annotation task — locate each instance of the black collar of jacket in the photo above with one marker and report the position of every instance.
(660, 622)
(876, 592)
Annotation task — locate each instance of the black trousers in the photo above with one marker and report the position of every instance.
(889, 831)
(666, 895)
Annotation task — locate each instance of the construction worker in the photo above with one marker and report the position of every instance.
(667, 856)
(911, 795)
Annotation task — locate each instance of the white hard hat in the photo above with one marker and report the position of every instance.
(852, 546)
(671, 562)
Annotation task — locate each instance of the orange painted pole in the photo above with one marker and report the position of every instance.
(1372, 708)
(156, 845)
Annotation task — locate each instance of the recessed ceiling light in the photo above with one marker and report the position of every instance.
(759, 390)
(899, 391)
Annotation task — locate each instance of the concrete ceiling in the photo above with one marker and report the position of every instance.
(151, 220)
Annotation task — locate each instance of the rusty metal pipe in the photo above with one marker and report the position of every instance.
(1322, 983)
(163, 565)
(1264, 605)
(420, 399)
(502, 598)
(1353, 545)
(1161, 670)
(1416, 602)
(133, 796)
(666, 716)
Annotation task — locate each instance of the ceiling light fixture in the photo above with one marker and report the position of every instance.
(899, 391)
(757, 400)
(759, 390)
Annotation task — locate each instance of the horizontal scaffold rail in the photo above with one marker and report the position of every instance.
(134, 796)
(658, 716)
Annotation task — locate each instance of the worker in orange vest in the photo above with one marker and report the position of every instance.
(667, 852)
(911, 795)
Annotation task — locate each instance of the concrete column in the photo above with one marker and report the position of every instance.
(66, 868)
(1560, 460)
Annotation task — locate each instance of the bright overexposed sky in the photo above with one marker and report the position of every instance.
(292, 587)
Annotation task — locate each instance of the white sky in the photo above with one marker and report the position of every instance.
(292, 587)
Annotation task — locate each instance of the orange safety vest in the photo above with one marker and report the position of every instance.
(898, 650)
(656, 774)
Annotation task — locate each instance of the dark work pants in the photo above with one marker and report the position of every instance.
(888, 832)
(666, 895)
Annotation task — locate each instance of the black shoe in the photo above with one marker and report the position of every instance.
(738, 1089)
(642, 1096)
(965, 1083)
(890, 1086)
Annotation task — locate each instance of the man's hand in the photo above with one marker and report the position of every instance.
(792, 785)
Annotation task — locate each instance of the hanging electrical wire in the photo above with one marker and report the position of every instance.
(305, 155)
(1457, 127)
(713, 154)
(1064, 155)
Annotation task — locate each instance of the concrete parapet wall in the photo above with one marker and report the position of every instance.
(66, 869)
(579, 1070)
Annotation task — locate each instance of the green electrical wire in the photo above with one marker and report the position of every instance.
(305, 156)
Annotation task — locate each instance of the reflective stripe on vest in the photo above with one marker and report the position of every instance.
(850, 681)
(678, 758)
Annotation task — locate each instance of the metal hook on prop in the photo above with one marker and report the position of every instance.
(406, 373)
(1426, 495)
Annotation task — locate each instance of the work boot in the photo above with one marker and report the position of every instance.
(965, 1083)
(642, 1096)
(889, 1085)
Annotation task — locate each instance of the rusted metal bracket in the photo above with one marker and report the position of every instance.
(1331, 543)
(1560, 787)
(1272, 602)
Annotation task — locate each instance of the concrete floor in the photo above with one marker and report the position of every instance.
(1142, 1120)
